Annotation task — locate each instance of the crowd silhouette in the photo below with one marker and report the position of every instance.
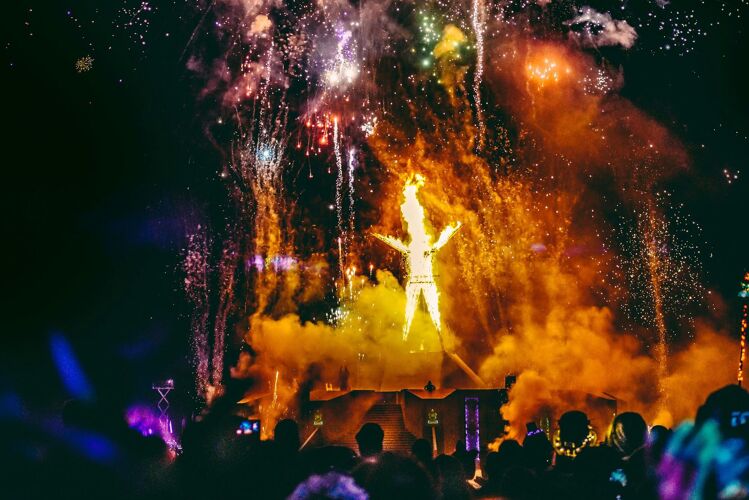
(97, 457)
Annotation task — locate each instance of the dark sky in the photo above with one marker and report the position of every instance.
(103, 168)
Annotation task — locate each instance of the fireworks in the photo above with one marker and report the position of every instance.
(135, 20)
(730, 176)
(662, 271)
(546, 70)
(514, 118)
(343, 70)
(197, 290)
(600, 82)
(84, 64)
(478, 15)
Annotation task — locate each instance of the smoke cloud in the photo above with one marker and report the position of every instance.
(524, 284)
(601, 29)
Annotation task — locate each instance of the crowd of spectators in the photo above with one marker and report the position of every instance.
(96, 458)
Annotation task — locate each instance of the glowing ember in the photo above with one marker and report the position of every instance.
(546, 70)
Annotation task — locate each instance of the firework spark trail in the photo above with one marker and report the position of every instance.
(227, 268)
(478, 23)
(340, 262)
(339, 184)
(274, 402)
(677, 251)
(655, 270)
(262, 158)
(351, 165)
(196, 289)
(343, 69)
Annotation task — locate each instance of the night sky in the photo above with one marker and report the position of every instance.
(104, 169)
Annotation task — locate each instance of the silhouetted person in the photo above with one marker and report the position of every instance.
(628, 436)
(343, 376)
(538, 451)
(450, 479)
(289, 470)
(519, 483)
(369, 439)
(592, 470)
(492, 474)
(628, 433)
(422, 452)
(389, 477)
(729, 407)
(657, 441)
(509, 454)
(467, 458)
(658, 438)
(573, 436)
(286, 437)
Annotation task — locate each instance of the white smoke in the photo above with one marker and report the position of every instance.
(601, 29)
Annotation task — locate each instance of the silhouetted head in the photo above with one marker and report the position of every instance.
(286, 436)
(509, 454)
(369, 438)
(573, 427)
(729, 407)
(538, 451)
(422, 451)
(460, 446)
(490, 466)
(628, 433)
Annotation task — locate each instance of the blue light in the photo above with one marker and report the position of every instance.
(71, 373)
(265, 153)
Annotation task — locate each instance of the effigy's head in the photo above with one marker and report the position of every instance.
(413, 213)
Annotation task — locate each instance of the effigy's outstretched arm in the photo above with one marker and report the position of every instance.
(392, 242)
(445, 236)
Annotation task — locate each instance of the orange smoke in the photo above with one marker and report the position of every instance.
(523, 291)
(547, 66)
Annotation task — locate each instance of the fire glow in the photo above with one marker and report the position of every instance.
(419, 254)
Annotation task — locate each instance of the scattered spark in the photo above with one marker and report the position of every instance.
(545, 70)
(730, 176)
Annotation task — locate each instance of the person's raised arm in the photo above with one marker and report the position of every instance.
(445, 236)
(392, 242)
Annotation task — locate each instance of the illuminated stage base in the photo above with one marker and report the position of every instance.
(443, 417)
(457, 405)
